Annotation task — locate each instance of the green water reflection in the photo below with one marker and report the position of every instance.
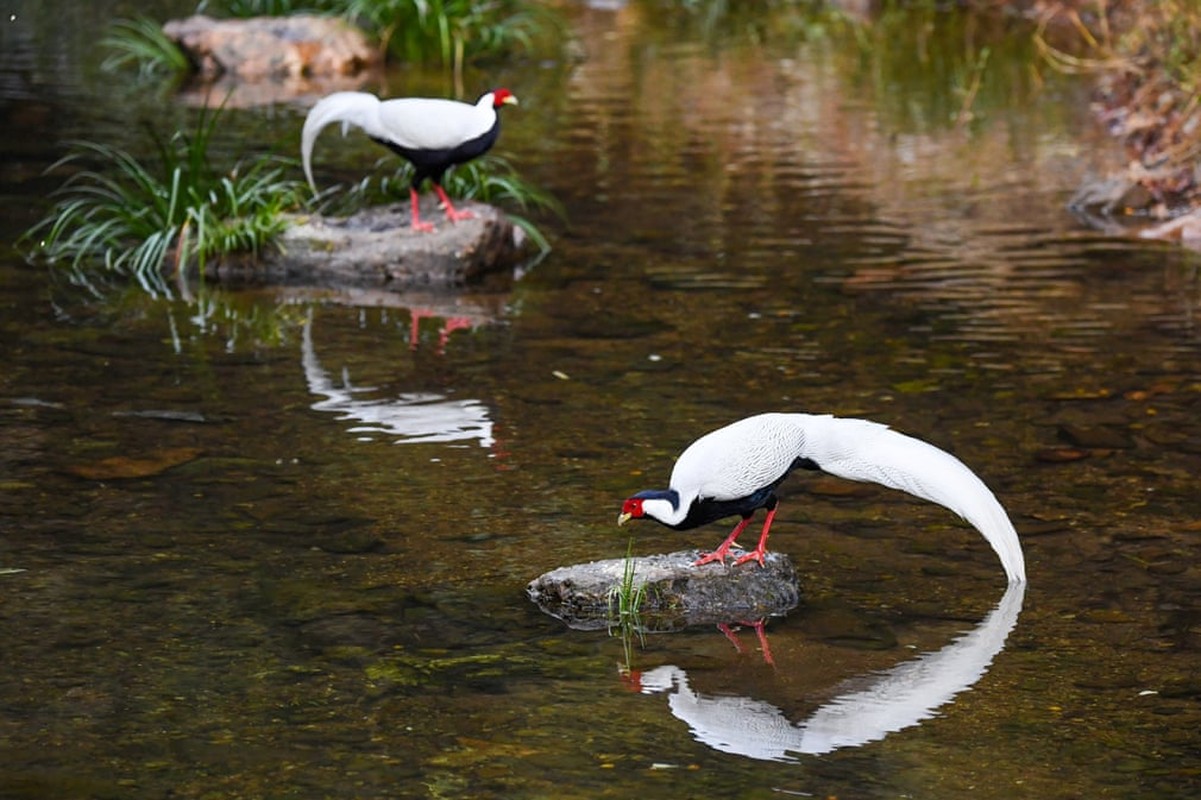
(244, 578)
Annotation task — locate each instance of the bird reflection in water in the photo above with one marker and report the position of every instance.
(414, 417)
(449, 325)
(730, 631)
(891, 701)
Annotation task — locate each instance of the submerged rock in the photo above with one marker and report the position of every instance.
(124, 467)
(376, 248)
(677, 593)
(1095, 437)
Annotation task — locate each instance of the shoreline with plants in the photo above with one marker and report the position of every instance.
(1145, 59)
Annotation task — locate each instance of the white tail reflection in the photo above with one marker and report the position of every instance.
(898, 698)
(413, 417)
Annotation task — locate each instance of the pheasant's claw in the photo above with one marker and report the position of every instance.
(717, 555)
(754, 555)
(454, 215)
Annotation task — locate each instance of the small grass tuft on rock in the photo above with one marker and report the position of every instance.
(625, 605)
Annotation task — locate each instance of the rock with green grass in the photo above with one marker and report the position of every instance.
(672, 592)
(376, 248)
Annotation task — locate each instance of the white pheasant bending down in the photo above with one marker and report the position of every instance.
(735, 470)
(432, 134)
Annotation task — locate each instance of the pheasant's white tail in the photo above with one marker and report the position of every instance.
(860, 450)
(350, 108)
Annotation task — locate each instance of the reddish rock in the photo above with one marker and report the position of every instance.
(272, 47)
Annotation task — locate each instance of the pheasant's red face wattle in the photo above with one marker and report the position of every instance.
(632, 507)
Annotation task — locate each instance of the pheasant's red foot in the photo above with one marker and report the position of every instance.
(717, 555)
(755, 555)
(454, 215)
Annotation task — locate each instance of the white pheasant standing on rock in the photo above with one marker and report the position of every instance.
(432, 134)
(735, 470)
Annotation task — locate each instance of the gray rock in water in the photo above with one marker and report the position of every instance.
(377, 248)
(678, 594)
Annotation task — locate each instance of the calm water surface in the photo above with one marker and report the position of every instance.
(275, 545)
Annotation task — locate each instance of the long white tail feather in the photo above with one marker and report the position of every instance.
(860, 450)
(350, 108)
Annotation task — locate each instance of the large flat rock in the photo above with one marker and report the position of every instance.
(377, 248)
(678, 594)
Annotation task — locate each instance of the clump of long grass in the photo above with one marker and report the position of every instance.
(265, 8)
(158, 220)
(625, 606)
(141, 44)
(452, 32)
(626, 598)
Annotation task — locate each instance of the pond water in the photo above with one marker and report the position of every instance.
(275, 545)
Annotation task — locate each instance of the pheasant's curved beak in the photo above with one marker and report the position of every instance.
(623, 518)
(510, 101)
